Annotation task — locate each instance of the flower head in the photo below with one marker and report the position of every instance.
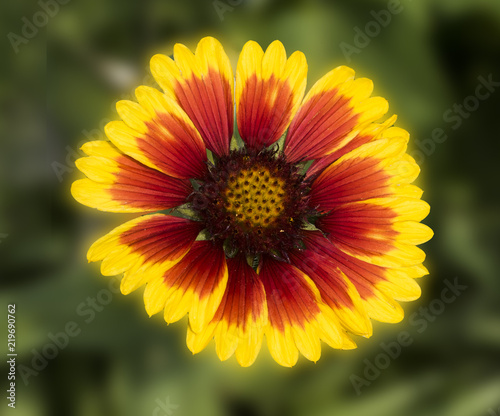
(301, 228)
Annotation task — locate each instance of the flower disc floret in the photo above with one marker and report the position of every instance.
(255, 202)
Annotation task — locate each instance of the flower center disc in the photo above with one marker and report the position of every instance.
(255, 197)
(254, 202)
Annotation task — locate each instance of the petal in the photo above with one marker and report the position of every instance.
(411, 232)
(202, 84)
(350, 142)
(372, 215)
(366, 231)
(374, 170)
(333, 112)
(297, 317)
(195, 285)
(238, 325)
(159, 134)
(144, 248)
(377, 286)
(118, 183)
(269, 89)
(335, 289)
(348, 191)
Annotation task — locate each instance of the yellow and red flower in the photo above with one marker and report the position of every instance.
(302, 229)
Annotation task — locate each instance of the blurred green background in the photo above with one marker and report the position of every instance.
(58, 88)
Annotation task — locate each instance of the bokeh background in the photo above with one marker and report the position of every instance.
(58, 87)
